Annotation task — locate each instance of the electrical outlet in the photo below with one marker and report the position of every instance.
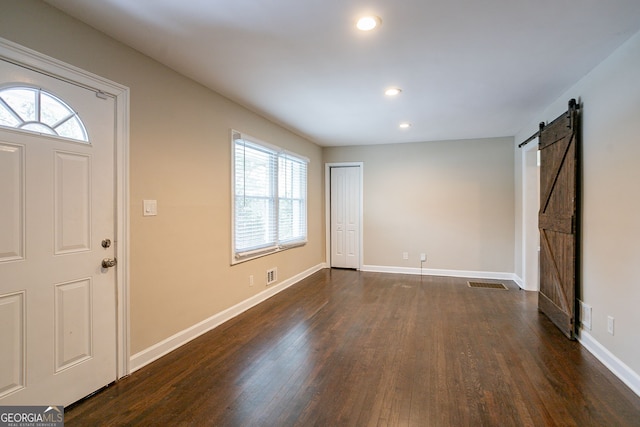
(585, 315)
(405, 255)
(610, 323)
(251, 280)
(423, 257)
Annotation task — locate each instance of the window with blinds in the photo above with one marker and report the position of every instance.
(269, 198)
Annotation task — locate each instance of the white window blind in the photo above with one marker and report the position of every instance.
(269, 200)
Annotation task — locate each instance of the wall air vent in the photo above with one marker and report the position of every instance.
(272, 276)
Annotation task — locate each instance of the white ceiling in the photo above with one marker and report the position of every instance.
(467, 68)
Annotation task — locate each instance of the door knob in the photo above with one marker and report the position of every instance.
(108, 262)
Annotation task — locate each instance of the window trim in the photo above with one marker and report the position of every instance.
(242, 256)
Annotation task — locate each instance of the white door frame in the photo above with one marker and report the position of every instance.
(39, 62)
(327, 206)
(530, 249)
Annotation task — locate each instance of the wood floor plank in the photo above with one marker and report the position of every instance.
(348, 348)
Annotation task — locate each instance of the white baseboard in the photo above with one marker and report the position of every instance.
(615, 365)
(164, 347)
(437, 272)
(519, 282)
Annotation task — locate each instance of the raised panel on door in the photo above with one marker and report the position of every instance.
(353, 214)
(12, 350)
(12, 208)
(338, 227)
(72, 197)
(73, 323)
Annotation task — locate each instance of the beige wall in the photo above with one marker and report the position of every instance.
(452, 200)
(611, 201)
(179, 155)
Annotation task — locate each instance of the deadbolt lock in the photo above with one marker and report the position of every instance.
(106, 243)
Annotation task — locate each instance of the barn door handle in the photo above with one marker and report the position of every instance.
(108, 262)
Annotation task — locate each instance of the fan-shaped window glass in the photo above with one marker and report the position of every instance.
(35, 110)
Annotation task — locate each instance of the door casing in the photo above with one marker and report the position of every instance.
(530, 207)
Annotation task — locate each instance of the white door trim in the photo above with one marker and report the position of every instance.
(39, 62)
(327, 206)
(528, 251)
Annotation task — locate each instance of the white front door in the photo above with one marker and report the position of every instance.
(345, 217)
(57, 206)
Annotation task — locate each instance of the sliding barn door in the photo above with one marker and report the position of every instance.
(558, 219)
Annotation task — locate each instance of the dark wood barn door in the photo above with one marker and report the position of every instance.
(558, 219)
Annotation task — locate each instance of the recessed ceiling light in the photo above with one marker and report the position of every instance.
(405, 125)
(368, 23)
(392, 91)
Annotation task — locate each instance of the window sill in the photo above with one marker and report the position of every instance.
(259, 253)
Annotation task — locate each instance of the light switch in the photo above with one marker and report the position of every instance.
(150, 207)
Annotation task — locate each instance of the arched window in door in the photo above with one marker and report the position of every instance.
(35, 110)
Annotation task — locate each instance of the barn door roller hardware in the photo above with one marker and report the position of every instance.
(573, 105)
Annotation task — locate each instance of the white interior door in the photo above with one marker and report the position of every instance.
(57, 206)
(345, 217)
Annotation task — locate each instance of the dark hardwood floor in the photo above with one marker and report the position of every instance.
(367, 349)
